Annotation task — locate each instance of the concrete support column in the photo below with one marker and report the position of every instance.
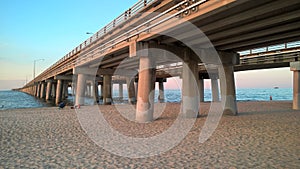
(35, 90)
(201, 89)
(43, 90)
(101, 92)
(53, 91)
(120, 90)
(66, 90)
(136, 86)
(146, 85)
(59, 88)
(38, 92)
(161, 96)
(92, 89)
(48, 92)
(96, 92)
(73, 88)
(131, 90)
(80, 89)
(107, 97)
(87, 90)
(295, 67)
(215, 89)
(228, 96)
(190, 96)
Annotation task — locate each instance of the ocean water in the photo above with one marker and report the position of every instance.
(15, 99)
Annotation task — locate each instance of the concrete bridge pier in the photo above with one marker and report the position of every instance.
(131, 90)
(48, 89)
(101, 90)
(53, 90)
(59, 88)
(295, 67)
(43, 90)
(96, 92)
(88, 90)
(67, 89)
(190, 96)
(121, 91)
(93, 91)
(65, 93)
(107, 96)
(161, 96)
(38, 91)
(35, 90)
(146, 85)
(227, 82)
(136, 88)
(201, 89)
(215, 89)
(80, 89)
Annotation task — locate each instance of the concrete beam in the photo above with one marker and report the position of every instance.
(120, 72)
(63, 77)
(85, 71)
(211, 56)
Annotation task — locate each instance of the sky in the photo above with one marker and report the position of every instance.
(48, 30)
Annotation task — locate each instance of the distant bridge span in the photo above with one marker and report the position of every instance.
(180, 31)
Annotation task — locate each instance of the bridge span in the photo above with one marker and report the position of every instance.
(195, 39)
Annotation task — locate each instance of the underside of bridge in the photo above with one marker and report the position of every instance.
(193, 39)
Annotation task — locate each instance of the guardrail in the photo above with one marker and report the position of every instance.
(277, 47)
(135, 9)
(139, 6)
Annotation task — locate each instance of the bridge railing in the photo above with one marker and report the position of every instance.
(283, 46)
(135, 9)
(144, 27)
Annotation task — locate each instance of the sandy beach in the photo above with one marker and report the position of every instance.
(263, 135)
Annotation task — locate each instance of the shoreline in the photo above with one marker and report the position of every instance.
(50, 104)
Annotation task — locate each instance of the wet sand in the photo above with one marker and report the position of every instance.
(263, 135)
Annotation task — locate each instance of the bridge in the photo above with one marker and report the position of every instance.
(195, 39)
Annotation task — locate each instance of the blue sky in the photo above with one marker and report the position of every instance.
(35, 29)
